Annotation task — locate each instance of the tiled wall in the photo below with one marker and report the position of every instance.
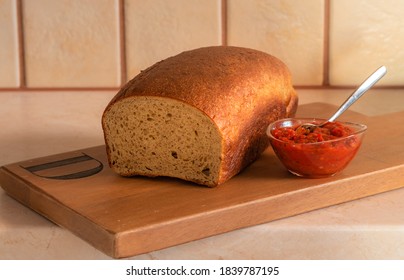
(100, 44)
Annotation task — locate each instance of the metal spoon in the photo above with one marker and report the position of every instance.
(365, 86)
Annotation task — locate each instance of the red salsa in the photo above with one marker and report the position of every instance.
(330, 131)
(318, 153)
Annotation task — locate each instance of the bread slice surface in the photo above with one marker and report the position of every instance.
(157, 136)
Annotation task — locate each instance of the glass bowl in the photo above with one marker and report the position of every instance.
(305, 157)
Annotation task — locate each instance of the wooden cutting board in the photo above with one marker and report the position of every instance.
(128, 216)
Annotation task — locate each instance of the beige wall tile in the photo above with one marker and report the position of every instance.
(157, 29)
(71, 43)
(9, 58)
(291, 30)
(363, 36)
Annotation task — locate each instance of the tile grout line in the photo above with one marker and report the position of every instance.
(224, 22)
(80, 89)
(122, 39)
(72, 89)
(21, 46)
(326, 44)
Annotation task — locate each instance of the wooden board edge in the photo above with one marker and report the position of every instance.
(175, 232)
(22, 191)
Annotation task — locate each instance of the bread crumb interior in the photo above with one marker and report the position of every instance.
(157, 136)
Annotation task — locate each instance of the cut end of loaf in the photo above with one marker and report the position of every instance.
(157, 136)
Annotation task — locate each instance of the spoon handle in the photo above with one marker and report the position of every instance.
(365, 86)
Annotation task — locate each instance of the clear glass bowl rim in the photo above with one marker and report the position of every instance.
(359, 128)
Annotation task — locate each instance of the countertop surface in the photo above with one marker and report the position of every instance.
(35, 124)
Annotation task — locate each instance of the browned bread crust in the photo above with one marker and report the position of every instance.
(240, 90)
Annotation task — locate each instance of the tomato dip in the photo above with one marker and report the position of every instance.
(318, 153)
(298, 134)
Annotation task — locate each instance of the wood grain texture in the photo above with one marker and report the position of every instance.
(123, 217)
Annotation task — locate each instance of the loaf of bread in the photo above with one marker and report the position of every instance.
(200, 116)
